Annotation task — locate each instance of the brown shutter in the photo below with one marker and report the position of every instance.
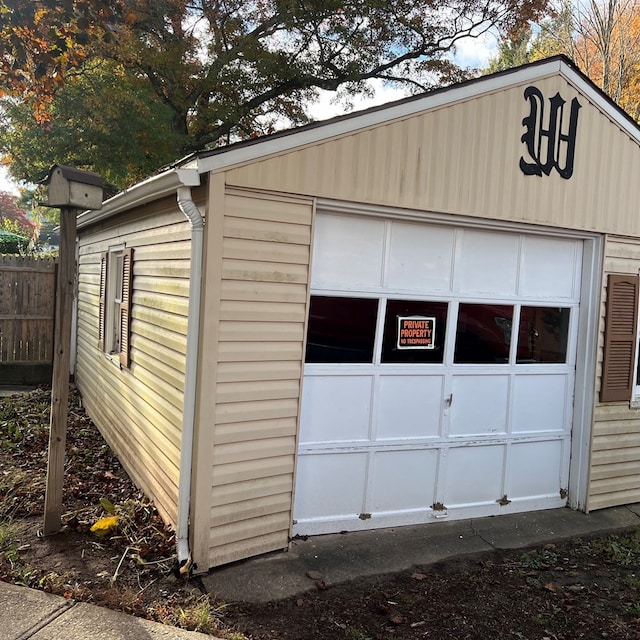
(102, 302)
(125, 306)
(620, 337)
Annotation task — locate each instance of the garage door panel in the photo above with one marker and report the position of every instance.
(409, 406)
(473, 475)
(413, 488)
(487, 263)
(534, 470)
(335, 408)
(540, 403)
(479, 404)
(420, 257)
(550, 268)
(330, 485)
(348, 251)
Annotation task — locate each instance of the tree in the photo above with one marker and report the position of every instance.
(556, 34)
(603, 38)
(608, 47)
(512, 52)
(228, 69)
(13, 216)
(105, 118)
(17, 231)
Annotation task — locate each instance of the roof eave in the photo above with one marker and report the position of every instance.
(153, 188)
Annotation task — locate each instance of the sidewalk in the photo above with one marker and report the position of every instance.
(26, 614)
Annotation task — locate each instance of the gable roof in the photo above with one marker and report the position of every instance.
(186, 171)
(340, 125)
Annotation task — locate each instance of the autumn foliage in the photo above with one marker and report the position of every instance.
(608, 50)
(13, 218)
(603, 38)
(203, 73)
(41, 42)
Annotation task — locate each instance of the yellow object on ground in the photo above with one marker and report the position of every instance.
(105, 525)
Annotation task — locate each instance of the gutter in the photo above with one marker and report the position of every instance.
(154, 188)
(196, 220)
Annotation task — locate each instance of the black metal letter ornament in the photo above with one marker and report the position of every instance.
(549, 147)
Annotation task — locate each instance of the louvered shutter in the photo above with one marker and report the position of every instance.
(125, 306)
(102, 301)
(620, 338)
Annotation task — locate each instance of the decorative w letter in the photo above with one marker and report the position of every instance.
(549, 148)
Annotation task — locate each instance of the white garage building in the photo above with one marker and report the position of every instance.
(389, 318)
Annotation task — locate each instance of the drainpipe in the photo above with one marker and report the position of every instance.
(191, 211)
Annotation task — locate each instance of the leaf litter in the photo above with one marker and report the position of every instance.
(586, 588)
(128, 561)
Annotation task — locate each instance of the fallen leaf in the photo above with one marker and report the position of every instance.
(551, 586)
(418, 576)
(104, 526)
(107, 505)
(397, 619)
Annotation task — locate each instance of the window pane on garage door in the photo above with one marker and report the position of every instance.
(341, 329)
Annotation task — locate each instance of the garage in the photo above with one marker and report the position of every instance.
(439, 373)
(422, 312)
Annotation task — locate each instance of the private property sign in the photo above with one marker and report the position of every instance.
(416, 332)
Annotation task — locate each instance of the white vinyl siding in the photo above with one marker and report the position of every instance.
(139, 411)
(615, 450)
(263, 296)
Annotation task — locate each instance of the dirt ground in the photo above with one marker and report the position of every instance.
(584, 588)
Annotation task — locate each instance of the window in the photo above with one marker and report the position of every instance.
(341, 329)
(115, 303)
(620, 338)
(543, 335)
(483, 334)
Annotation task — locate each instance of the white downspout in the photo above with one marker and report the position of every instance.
(191, 211)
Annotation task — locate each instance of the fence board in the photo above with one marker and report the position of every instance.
(27, 304)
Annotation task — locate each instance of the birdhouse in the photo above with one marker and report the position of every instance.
(70, 187)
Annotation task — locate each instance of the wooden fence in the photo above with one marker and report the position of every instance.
(27, 307)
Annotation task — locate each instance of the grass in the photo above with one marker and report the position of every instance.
(21, 573)
(197, 614)
(542, 559)
(623, 550)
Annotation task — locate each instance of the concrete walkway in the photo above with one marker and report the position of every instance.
(26, 614)
(342, 557)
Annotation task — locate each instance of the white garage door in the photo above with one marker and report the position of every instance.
(439, 374)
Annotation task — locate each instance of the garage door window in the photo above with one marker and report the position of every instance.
(427, 316)
(483, 334)
(543, 335)
(341, 330)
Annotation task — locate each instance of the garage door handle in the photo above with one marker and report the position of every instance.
(449, 400)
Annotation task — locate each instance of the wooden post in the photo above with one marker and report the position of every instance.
(60, 379)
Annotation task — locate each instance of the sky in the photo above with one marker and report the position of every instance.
(5, 182)
(470, 52)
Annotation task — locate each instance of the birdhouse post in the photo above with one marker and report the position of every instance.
(72, 190)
